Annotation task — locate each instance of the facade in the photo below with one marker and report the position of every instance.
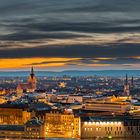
(12, 131)
(30, 86)
(32, 79)
(74, 98)
(109, 107)
(13, 116)
(111, 128)
(62, 125)
(34, 128)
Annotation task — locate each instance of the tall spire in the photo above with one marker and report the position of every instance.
(126, 80)
(132, 82)
(32, 72)
(32, 79)
(126, 87)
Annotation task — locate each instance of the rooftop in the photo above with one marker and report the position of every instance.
(12, 127)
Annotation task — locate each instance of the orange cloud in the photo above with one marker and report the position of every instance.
(27, 62)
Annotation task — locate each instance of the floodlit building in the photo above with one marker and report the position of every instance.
(108, 106)
(104, 127)
(16, 115)
(60, 124)
(12, 131)
(30, 86)
(34, 128)
(74, 98)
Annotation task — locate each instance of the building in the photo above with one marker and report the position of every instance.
(110, 127)
(12, 131)
(75, 98)
(30, 86)
(34, 128)
(62, 124)
(32, 79)
(114, 107)
(126, 87)
(13, 115)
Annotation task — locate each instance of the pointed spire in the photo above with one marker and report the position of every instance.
(126, 80)
(132, 81)
(126, 87)
(32, 72)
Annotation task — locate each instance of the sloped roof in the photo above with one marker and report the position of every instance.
(12, 127)
(25, 86)
(34, 122)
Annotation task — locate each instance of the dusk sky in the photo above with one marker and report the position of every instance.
(69, 34)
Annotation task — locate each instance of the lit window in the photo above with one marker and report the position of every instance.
(97, 129)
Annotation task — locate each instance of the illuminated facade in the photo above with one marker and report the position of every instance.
(74, 98)
(32, 79)
(2, 92)
(12, 131)
(13, 116)
(34, 128)
(30, 86)
(109, 107)
(102, 129)
(62, 125)
(126, 128)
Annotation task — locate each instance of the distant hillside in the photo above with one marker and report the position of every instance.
(72, 73)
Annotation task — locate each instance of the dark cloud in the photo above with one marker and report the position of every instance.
(74, 51)
(56, 30)
(106, 6)
(126, 61)
(33, 20)
(90, 16)
(27, 35)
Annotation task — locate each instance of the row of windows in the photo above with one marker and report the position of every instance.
(105, 128)
(9, 133)
(108, 131)
(116, 132)
(33, 129)
(33, 133)
(111, 128)
(132, 123)
(130, 128)
(59, 117)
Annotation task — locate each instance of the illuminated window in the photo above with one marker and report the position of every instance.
(97, 129)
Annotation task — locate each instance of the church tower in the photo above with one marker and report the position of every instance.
(126, 87)
(132, 82)
(32, 79)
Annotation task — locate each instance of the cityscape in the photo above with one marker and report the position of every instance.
(70, 69)
(86, 107)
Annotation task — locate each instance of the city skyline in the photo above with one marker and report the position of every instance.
(63, 35)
